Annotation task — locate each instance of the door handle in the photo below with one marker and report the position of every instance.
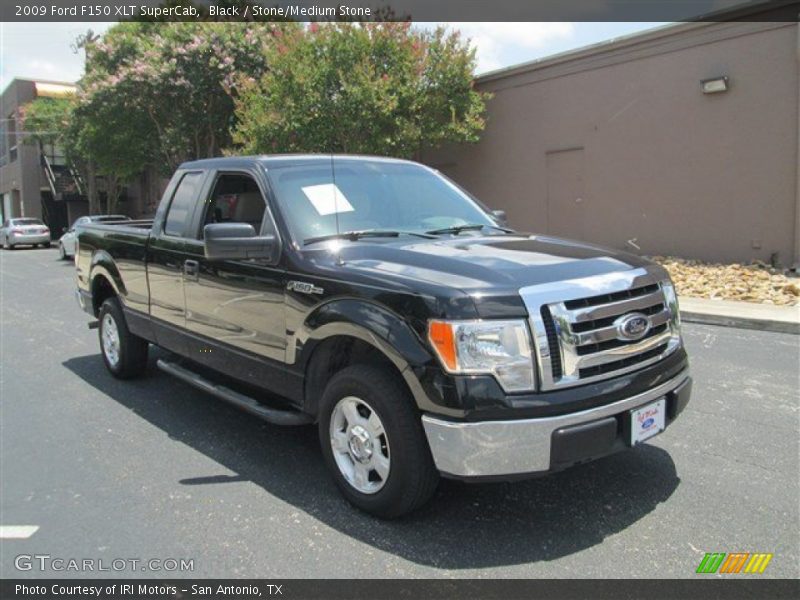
(191, 269)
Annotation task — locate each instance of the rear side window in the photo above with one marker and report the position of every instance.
(183, 203)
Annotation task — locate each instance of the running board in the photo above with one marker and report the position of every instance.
(246, 403)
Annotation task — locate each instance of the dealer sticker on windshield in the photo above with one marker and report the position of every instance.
(647, 421)
(327, 199)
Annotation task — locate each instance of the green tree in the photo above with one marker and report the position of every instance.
(377, 88)
(53, 121)
(175, 83)
(46, 120)
(108, 143)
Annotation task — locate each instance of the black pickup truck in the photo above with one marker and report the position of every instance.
(377, 299)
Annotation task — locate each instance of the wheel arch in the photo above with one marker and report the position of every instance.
(105, 280)
(345, 332)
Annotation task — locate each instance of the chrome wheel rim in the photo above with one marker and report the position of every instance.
(360, 445)
(110, 339)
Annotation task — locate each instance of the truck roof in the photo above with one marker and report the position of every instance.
(283, 160)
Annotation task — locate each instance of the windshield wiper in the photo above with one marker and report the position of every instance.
(456, 229)
(364, 233)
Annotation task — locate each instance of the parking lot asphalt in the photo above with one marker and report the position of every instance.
(154, 469)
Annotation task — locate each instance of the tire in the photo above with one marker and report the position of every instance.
(412, 476)
(127, 357)
(46, 245)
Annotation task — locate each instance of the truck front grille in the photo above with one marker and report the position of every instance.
(578, 326)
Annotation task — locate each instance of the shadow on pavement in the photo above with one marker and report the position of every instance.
(464, 526)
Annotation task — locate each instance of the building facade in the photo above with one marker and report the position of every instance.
(683, 140)
(29, 182)
(36, 181)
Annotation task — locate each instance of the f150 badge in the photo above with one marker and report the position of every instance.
(303, 287)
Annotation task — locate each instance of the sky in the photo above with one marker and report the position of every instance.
(43, 50)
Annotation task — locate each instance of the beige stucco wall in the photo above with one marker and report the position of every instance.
(683, 173)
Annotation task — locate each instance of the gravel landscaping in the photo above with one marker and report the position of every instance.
(755, 282)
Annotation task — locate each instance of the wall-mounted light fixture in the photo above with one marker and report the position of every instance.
(715, 85)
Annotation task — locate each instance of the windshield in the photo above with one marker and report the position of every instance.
(26, 222)
(369, 195)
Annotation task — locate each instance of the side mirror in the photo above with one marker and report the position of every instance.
(237, 241)
(500, 217)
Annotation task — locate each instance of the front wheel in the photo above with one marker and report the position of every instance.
(373, 443)
(124, 354)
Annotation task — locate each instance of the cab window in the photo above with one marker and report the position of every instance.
(182, 205)
(235, 198)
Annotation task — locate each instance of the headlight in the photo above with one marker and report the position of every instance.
(671, 298)
(499, 348)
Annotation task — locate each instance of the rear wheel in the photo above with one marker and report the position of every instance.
(373, 443)
(124, 354)
(46, 245)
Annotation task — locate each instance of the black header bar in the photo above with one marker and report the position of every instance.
(400, 10)
(420, 589)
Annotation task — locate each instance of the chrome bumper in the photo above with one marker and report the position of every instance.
(497, 448)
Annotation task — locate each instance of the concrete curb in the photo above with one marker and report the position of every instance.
(746, 315)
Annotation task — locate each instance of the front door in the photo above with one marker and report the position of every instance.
(234, 308)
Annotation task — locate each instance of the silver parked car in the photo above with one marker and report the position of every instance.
(24, 231)
(66, 245)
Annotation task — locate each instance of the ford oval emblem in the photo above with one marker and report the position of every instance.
(649, 422)
(632, 326)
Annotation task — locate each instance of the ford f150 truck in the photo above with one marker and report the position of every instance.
(380, 301)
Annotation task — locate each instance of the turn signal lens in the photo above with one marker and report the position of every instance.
(441, 336)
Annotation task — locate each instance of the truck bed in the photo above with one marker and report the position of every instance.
(117, 226)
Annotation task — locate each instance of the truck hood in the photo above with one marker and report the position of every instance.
(480, 266)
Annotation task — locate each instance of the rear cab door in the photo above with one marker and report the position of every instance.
(168, 249)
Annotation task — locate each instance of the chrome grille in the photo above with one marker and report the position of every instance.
(576, 326)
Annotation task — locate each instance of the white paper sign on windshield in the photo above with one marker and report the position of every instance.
(327, 199)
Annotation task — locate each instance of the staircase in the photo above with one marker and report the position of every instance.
(64, 183)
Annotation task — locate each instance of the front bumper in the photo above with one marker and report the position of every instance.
(515, 448)
(33, 239)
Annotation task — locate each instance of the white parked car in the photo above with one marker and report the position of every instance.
(66, 245)
(24, 231)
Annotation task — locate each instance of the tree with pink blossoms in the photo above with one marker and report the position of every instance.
(173, 84)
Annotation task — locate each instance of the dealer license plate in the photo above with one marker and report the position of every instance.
(647, 421)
